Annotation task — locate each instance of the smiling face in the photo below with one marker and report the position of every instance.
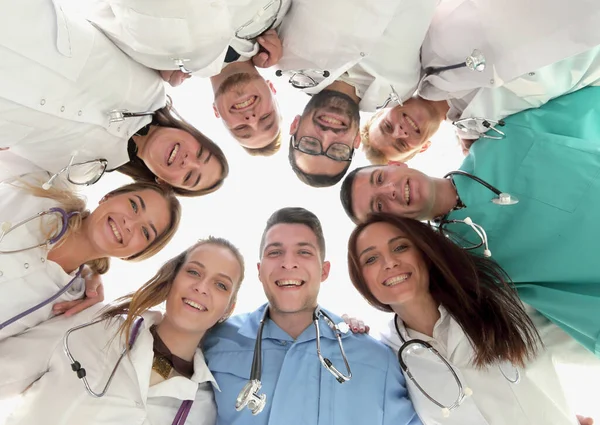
(245, 102)
(290, 269)
(395, 189)
(330, 117)
(126, 224)
(203, 289)
(403, 131)
(175, 156)
(391, 265)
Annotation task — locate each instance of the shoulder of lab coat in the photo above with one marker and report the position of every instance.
(26, 357)
(515, 38)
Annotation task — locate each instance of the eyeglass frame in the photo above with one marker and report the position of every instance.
(296, 145)
(302, 72)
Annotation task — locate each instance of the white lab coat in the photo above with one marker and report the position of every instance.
(535, 50)
(36, 357)
(376, 42)
(28, 278)
(59, 79)
(537, 399)
(156, 33)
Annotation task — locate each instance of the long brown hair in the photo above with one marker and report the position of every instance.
(155, 291)
(71, 202)
(167, 116)
(474, 290)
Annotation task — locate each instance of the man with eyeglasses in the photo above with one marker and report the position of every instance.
(348, 57)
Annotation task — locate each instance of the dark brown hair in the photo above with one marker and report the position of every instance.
(155, 291)
(474, 290)
(167, 116)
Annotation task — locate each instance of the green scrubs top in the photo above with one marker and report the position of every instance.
(549, 242)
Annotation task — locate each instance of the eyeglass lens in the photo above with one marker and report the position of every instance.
(336, 151)
(86, 173)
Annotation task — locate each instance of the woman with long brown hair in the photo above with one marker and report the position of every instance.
(160, 376)
(48, 237)
(467, 347)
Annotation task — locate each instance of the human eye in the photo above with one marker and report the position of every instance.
(304, 252)
(187, 177)
(199, 154)
(401, 247)
(134, 206)
(370, 260)
(274, 253)
(387, 126)
(222, 286)
(379, 178)
(146, 233)
(379, 206)
(193, 272)
(265, 116)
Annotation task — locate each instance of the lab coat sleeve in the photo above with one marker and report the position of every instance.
(25, 357)
(397, 409)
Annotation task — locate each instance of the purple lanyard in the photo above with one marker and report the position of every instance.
(186, 405)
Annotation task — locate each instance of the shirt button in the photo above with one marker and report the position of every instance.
(43, 259)
(492, 81)
(43, 102)
(79, 113)
(531, 74)
(282, 342)
(362, 54)
(62, 109)
(26, 265)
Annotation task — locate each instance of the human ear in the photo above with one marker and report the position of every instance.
(425, 146)
(216, 111)
(294, 125)
(325, 270)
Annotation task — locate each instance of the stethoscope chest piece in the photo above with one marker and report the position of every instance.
(505, 199)
(475, 61)
(249, 397)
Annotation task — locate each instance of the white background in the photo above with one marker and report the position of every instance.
(255, 188)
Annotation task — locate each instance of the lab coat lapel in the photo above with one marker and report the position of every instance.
(142, 354)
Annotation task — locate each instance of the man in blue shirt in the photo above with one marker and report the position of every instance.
(298, 388)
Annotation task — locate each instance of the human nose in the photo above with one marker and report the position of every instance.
(200, 285)
(288, 261)
(250, 116)
(390, 261)
(399, 132)
(389, 190)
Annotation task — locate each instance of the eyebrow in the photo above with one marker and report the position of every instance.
(143, 204)
(372, 183)
(197, 180)
(208, 157)
(199, 264)
(371, 248)
(279, 245)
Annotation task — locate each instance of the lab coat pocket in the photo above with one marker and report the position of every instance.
(12, 133)
(557, 173)
(157, 35)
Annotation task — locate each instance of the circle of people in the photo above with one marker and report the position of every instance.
(490, 271)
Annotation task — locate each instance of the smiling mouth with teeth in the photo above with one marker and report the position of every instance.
(173, 154)
(245, 103)
(407, 193)
(289, 283)
(411, 122)
(392, 281)
(115, 231)
(195, 305)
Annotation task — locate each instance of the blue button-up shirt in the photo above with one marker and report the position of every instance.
(299, 389)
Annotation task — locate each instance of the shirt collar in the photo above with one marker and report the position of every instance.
(271, 331)
(392, 335)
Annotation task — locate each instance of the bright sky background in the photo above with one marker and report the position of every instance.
(255, 188)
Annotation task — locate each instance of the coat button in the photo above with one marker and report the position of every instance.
(492, 81)
(43, 102)
(531, 74)
(362, 54)
(62, 109)
(26, 265)
(43, 259)
(79, 113)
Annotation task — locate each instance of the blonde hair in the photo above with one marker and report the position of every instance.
(269, 150)
(155, 291)
(71, 203)
(374, 155)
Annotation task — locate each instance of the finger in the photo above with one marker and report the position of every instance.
(267, 42)
(86, 303)
(367, 329)
(60, 308)
(346, 319)
(261, 59)
(361, 326)
(354, 324)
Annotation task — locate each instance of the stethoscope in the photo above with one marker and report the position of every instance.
(475, 62)
(249, 396)
(301, 78)
(186, 405)
(6, 228)
(99, 164)
(463, 391)
(501, 198)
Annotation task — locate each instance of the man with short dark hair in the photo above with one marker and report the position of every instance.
(348, 57)
(299, 388)
(533, 210)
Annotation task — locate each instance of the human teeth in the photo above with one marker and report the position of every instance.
(195, 305)
(396, 279)
(173, 154)
(115, 231)
(407, 193)
(245, 103)
(411, 122)
(288, 282)
(331, 120)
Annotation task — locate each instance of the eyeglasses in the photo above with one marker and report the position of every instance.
(312, 146)
(81, 173)
(262, 21)
(304, 78)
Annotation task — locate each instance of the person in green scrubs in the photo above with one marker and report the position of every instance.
(548, 242)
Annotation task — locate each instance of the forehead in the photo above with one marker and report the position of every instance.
(290, 234)
(217, 259)
(363, 190)
(318, 164)
(377, 234)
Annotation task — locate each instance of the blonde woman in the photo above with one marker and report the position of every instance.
(48, 236)
(160, 376)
